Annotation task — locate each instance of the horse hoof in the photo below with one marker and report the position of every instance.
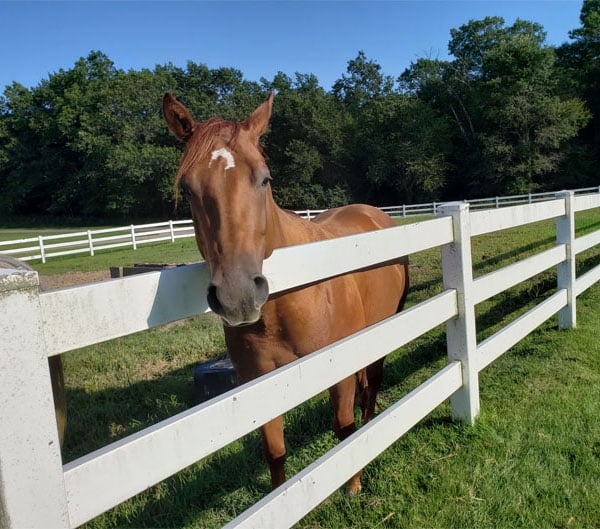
(353, 488)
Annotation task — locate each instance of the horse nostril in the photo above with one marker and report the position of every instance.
(213, 300)
(262, 288)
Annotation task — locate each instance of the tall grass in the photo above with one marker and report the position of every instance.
(531, 460)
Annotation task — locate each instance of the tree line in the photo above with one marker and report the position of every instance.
(507, 114)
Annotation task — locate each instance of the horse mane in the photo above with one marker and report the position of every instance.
(202, 143)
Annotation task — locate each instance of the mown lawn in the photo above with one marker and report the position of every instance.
(531, 460)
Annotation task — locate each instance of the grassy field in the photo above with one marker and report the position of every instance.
(181, 251)
(531, 460)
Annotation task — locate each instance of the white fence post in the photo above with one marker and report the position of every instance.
(133, 241)
(565, 234)
(90, 242)
(171, 231)
(32, 491)
(42, 252)
(457, 272)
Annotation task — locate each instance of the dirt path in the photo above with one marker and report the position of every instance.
(51, 282)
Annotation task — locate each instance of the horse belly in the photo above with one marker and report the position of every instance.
(382, 291)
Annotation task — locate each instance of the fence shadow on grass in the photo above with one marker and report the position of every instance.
(99, 418)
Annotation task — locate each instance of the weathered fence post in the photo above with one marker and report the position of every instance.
(457, 273)
(565, 234)
(32, 492)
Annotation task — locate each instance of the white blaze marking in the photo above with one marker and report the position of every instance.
(223, 153)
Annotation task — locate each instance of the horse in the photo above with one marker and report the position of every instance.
(237, 225)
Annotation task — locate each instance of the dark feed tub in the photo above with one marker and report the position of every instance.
(210, 378)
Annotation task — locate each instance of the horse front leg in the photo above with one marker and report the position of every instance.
(342, 399)
(274, 445)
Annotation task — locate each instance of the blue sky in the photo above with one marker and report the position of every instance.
(257, 37)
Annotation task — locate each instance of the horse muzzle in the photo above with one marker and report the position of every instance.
(238, 301)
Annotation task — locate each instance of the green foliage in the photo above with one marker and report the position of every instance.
(508, 114)
(512, 122)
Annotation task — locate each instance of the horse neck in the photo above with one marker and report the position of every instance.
(287, 229)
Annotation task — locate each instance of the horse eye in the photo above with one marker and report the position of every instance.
(266, 181)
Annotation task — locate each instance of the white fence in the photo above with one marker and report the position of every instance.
(36, 490)
(90, 241)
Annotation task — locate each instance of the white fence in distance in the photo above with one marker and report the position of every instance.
(36, 490)
(90, 241)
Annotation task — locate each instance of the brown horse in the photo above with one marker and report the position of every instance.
(237, 225)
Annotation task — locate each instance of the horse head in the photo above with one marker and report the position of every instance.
(225, 178)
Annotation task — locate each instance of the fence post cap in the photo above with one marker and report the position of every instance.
(565, 193)
(12, 279)
(448, 208)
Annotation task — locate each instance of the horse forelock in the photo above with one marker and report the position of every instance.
(203, 142)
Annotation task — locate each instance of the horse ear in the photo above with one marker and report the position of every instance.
(178, 118)
(258, 122)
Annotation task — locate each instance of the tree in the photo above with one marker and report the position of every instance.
(580, 64)
(501, 91)
(305, 144)
(362, 82)
(525, 121)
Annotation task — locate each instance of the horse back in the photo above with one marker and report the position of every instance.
(355, 218)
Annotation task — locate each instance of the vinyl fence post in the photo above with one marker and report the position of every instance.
(171, 231)
(566, 270)
(32, 491)
(133, 241)
(457, 273)
(90, 242)
(42, 250)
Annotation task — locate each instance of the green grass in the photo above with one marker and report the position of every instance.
(182, 251)
(531, 460)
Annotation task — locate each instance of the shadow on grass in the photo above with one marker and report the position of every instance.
(511, 255)
(99, 418)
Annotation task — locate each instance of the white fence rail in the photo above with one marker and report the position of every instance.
(90, 241)
(45, 246)
(36, 490)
